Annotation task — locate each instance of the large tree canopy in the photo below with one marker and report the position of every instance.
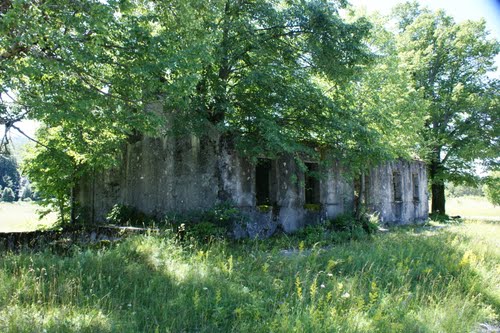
(246, 67)
(258, 70)
(281, 76)
(450, 62)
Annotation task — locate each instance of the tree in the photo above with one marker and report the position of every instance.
(8, 195)
(90, 71)
(450, 62)
(385, 99)
(9, 174)
(25, 192)
(492, 188)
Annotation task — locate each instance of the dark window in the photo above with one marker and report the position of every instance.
(312, 184)
(397, 190)
(416, 188)
(263, 182)
(365, 186)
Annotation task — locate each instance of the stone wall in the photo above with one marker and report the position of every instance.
(410, 180)
(156, 176)
(166, 175)
(287, 209)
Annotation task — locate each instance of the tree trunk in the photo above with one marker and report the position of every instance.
(219, 107)
(438, 198)
(437, 185)
(61, 211)
(72, 206)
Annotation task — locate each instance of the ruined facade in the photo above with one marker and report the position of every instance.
(165, 175)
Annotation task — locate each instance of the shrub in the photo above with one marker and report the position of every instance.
(312, 234)
(353, 226)
(370, 222)
(26, 192)
(8, 195)
(127, 215)
(215, 223)
(492, 189)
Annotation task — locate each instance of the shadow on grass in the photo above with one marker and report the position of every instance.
(401, 282)
(135, 286)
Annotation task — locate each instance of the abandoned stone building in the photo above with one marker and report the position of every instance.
(165, 175)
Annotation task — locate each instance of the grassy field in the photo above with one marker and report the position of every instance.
(22, 216)
(421, 279)
(472, 207)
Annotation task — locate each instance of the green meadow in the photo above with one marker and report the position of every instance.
(23, 216)
(415, 279)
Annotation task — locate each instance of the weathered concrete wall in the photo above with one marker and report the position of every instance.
(166, 175)
(412, 206)
(156, 176)
(287, 194)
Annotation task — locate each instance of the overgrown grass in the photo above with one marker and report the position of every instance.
(407, 280)
(23, 216)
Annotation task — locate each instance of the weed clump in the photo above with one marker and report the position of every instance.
(364, 224)
(205, 225)
(343, 228)
(128, 215)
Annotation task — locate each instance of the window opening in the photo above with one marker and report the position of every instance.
(263, 182)
(312, 184)
(397, 190)
(365, 186)
(416, 189)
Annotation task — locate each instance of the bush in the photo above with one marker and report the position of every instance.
(492, 189)
(127, 215)
(354, 226)
(207, 225)
(312, 234)
(26, 192)
(370, 222)
(8, 195)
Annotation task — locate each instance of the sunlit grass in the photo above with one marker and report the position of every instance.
(408, 280)
(472, 207)
(23, 216)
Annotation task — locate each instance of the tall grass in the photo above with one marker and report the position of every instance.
(408, 280)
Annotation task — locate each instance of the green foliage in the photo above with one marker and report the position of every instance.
(8, 195)
(313, 207)
(203, 231)
(108, 71)
(492, 188)
(206, 225)
(148, 283)
(264, 208)
(127, 215)
(364, 223)
(451, 64)
(390, 111)
(343, 228)
(463, 190)
(440, 218)
(9, 173)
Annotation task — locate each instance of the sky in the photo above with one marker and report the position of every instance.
(461, 10)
